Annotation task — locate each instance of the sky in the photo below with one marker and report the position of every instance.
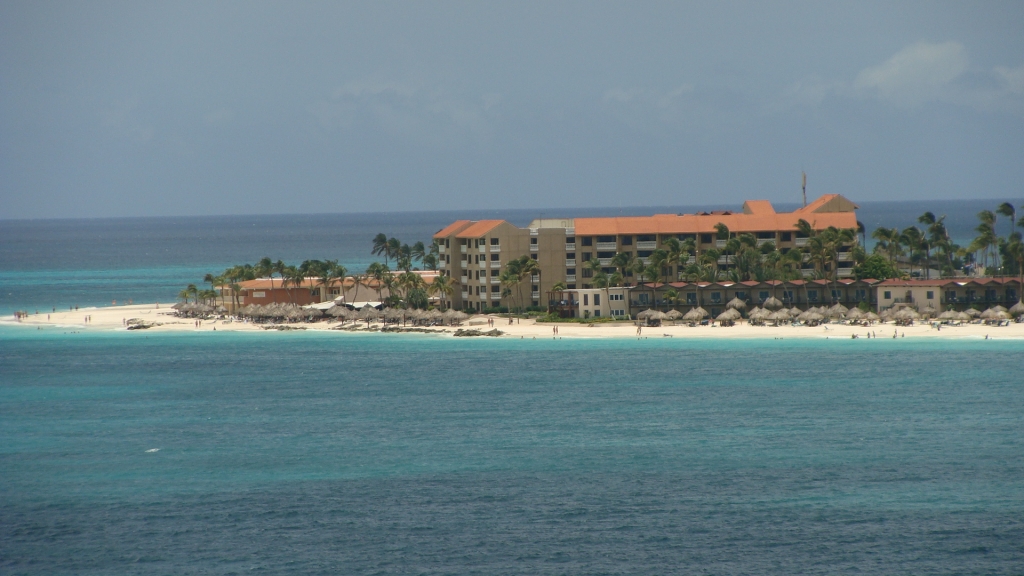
(192, 108)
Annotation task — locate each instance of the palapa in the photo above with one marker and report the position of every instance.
(772, 303)
(674, 314)
(736, 304)
(973, 312)
(1017, 309)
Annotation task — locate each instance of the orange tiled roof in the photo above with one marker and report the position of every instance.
(452, 228)
(762, 219)
(478, 229)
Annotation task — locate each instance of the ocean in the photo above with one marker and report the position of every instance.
(336, 453)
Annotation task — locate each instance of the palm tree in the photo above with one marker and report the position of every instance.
(184, 295)
(1007, 209)
(673, 257)
(915, 242)
(528, 269)
(265, 268)
(888, 243)
(418, 251)
(329, 274)
(378, 272)
(194, 292)
(987, 237)
(393, 250)
(380, 246)
(280, 268)
(295, 277)
(509, 279)
(443, 286)
(624, 262)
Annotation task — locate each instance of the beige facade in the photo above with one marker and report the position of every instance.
(602, 303)
(474, 253)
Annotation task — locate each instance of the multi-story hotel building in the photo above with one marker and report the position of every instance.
(474, 253)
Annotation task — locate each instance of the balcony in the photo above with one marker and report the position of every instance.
(465, 295)
(570, 247)
(570, 277)
(535, 295)
(534, 231)
(763, 241)
(606, 245)
(647, 245)
(843, 256)
(440, 248)
(691, 260)
(720, 243)
(845, 272)
(534, 248)
(801, 241)
(483, 263)
(725, 259)
(495, 248)
(604, 261)
(571, 262)
(535, 278)
(482, 248)
(495, 280)
(570, 231)
(495, 264)
(462, 248)
(483, 279)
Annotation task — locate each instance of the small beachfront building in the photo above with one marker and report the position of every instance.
(602, 302)
(948, 293)
(265, 291)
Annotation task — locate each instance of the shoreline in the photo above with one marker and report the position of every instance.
(113, 318)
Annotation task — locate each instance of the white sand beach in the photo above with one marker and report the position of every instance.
(161, 317)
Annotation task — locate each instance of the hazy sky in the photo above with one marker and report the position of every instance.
(161, 108)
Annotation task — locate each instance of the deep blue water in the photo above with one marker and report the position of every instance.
(61, 263)
(379, 454)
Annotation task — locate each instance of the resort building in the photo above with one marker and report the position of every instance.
(950, 293)
(265, 291)
(474, 253)
(713, 296)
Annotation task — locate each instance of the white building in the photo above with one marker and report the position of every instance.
(602, 302)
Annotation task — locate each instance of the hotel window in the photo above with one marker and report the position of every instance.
(862, 294)
(534, 256)
(705, 238)
(766, 235)
(570, 271)
(464, 273)
(1011, 294)
(691, 298)
(570, 239)
(495, 289)
(570, 286)
(586, 256)
(587, 241)
(836, 294)
(495, 257)
(597, 313)
(447, 259)
(990, 294)
(606, 238)
(716, 297)
(887, 295)
(741, 295)
(627, 240)
(586, 300)
(787, 295)
(495, 273)
(787, 236)
(763, 295)
(643, 253)
(646, 238)
(570, 255)
(950, 295)
(812, 295)
(597, 299)
(931, 295)
(606, 254)
(494, 242)
(533, 241)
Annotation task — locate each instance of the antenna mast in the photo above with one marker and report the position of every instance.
(805, 187)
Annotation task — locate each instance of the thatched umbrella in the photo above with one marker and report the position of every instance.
(963, 317)
(779, 316)
(736, 304)
(368, 313)
(1017, 309)
(795, 311)
(646, 314)
(1002, 315)
(691, 316)
(871, 317)
(837, 311)
(758, 315)
(929, 311)
(460, 317)
(988, 314)
(948, 315)
(674, 315)
(313, 313)
(729, 315)
(814, 318)
(179, 305)
(772, 303)
(973, 312)
(393, 314)
(999, 308)
(854, 314)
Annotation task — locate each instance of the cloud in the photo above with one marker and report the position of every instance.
(638, 106)
(919, 73)
(408, 109)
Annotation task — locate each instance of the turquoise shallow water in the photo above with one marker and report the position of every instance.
(324, 453)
